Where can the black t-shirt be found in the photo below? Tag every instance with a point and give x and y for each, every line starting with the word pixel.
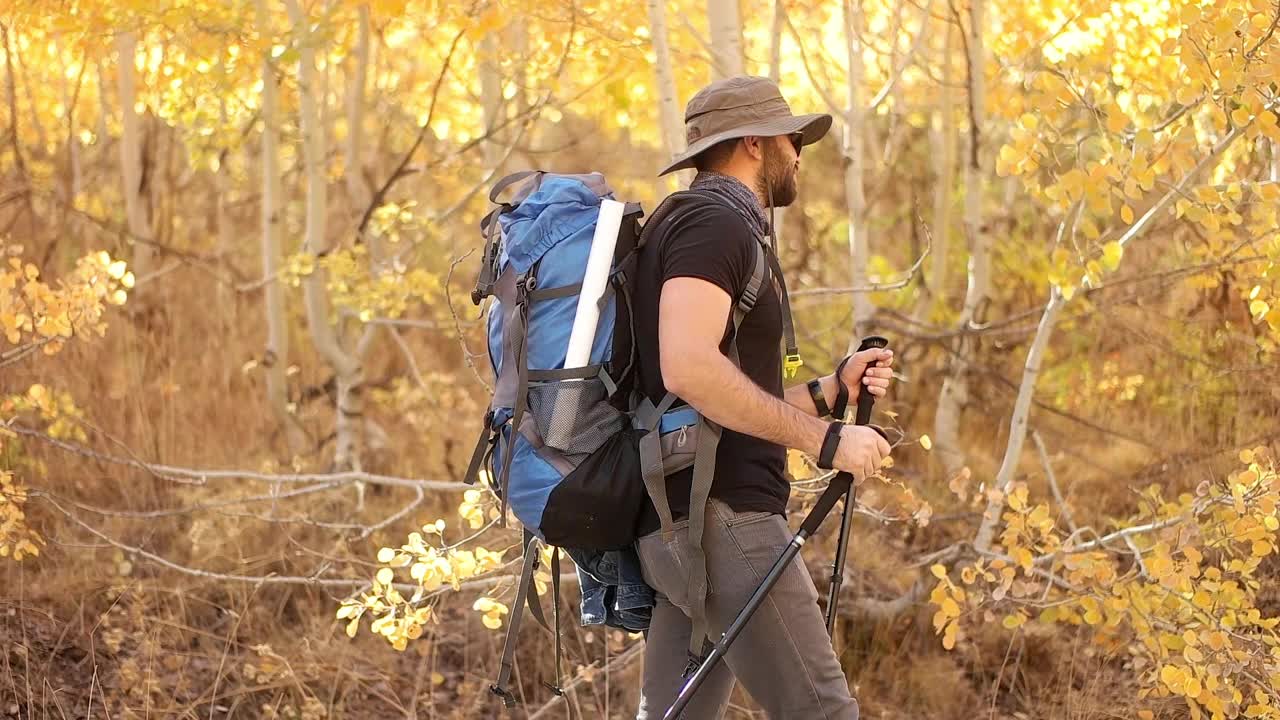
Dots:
pixel 708 240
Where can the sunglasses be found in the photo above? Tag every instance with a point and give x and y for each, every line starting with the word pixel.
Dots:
pixel 797 141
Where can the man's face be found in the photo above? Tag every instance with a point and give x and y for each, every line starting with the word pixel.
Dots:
pixel 778 173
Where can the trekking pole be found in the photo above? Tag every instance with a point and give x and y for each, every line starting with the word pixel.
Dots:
pixel 841 485
pixel 863 416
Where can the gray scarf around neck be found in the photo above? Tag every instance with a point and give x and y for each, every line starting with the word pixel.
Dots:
pixel 734 192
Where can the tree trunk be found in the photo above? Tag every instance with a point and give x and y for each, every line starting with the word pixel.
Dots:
pixel 222 216
pixel 135 198
pixel 943 139
pixel 276 354
pixel 775 72
pixel 726 38
pixel 349 374
pixel 955 388
pixel 358 194
pixel 854 152
pixel 668 102
pixel 490 97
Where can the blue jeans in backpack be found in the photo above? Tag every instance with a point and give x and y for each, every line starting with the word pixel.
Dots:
pixel 614 592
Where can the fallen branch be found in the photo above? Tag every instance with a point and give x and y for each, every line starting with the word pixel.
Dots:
pixel 200 477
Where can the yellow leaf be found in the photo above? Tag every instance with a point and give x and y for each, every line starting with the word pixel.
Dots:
pixel 386 576
pixel 1192 688
pixel 1024 558
pixel 939 571
pixel 950 608
pixel 437 678
pixel 493 622
pixel 949 637
pixel 1173 677
pixel 386 555
pixel 352 627
pixel 1126 214
pixel 926 442
pixel 1014 621
pixel 1116 120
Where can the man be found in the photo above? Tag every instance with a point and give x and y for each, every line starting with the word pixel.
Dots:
pixel 745 144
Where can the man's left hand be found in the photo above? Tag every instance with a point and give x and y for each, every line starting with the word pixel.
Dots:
pixel 873 367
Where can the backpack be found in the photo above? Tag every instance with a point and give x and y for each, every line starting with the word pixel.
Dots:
pixel 575 451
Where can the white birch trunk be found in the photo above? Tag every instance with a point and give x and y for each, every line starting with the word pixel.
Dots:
pixel 854 153
pixel 135 201
pixel 726 38
pixel 358 193
pixel 943 140
pixel 668 103
pixel 349 374
pixel 955 388
pixel 276 353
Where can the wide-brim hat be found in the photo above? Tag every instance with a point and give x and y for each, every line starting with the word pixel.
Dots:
pixel 739 107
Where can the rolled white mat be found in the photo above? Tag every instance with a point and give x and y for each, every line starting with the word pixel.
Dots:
pixel 585 320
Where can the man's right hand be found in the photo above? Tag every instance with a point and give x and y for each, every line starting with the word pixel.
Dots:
pixel 861 451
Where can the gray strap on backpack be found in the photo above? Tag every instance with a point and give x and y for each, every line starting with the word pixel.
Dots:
pixel 499 688
pixel 648 418
pixel 704 471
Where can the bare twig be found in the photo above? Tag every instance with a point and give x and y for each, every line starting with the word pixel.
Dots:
pixel 626 657
pixel 1053 481
pixel 1270 31
pixel 180 474
pixel 876 287
pixel 467 355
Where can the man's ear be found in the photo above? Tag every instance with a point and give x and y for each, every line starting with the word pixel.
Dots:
pixel 754 146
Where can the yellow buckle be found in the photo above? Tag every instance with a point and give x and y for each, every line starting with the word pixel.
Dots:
pixel 791 365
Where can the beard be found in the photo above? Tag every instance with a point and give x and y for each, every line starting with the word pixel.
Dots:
pixel 777 178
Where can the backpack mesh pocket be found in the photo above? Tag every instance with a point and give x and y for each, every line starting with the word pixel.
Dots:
pixel 574 416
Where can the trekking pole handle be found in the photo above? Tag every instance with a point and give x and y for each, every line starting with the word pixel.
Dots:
pixel 865 398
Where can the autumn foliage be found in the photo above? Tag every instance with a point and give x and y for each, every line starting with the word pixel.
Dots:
pixel 241 374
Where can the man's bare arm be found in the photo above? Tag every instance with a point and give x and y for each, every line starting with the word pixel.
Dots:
pixel 691 322
pixel 798 395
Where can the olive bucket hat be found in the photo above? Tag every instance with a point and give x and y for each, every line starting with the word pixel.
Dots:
pixel 738 107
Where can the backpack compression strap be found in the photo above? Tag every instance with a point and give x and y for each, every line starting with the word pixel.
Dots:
pixel 526 592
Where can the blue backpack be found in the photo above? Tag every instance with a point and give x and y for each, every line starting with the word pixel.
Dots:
pixel 574 452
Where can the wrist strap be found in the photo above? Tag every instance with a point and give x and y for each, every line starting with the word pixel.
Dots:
pixel 819 402
pixel 827 455
pixel 841 407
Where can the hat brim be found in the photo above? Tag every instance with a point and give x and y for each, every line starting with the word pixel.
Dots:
pixel 814 126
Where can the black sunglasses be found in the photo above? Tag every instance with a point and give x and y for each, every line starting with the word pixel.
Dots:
pixel 797 141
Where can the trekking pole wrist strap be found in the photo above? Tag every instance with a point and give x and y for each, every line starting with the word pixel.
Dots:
pixel 841 407
pixel 830 443
pixel 819 398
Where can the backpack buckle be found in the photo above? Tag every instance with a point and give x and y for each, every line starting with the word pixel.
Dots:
pixel 508 699
pixel 695 662
pixel 791 363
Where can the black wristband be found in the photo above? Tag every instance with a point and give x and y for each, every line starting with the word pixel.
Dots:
pixel 827 455
pixel 841 407
pixel 819 401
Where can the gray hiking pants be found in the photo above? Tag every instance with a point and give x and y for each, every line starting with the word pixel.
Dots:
pixel 783 657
